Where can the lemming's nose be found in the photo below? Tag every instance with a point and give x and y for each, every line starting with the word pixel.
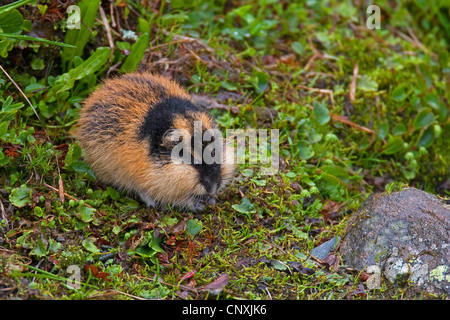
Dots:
pixel 212 187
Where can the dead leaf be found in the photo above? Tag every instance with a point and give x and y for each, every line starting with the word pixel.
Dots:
pixel 332 261
pixel 93 269
pixel 36 198
pixel 353 83
pixel 296 186
pixel 246 262
pixel 269 60
pixel 96 273
pixel 183 294
pixel 179 227
pixel 61 189
pixel 102 275
pixel 217 285
pixel 289 60
pixel 188 275
pixel 297 266
pixel 364 276
pixel 48 203
pixel 191 283
pixel 330 211
pixel 360 292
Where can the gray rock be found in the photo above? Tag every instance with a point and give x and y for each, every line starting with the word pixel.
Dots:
pixel 322 251
pixel 407 235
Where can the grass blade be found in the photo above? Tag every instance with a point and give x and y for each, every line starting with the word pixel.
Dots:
pixel 96 61
pixel 48 275
pixel 13 5
pixel 136 53
pixel 80 37
pixel 28 38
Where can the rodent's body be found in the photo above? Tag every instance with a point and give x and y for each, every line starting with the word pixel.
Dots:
pixel 123 129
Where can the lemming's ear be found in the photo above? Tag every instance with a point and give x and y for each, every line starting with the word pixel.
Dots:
pixel 179 142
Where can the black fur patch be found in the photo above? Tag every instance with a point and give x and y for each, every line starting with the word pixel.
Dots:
pixel 160 119
pixel 210 175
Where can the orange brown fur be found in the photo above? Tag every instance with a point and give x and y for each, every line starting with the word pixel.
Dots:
pixel 108 131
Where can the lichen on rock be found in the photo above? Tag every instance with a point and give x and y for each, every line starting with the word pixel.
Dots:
pixel 406 234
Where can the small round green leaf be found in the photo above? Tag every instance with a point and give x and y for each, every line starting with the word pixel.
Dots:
pixel 394 145
pixel 245 207
pixel 423 119
pixel 21 196
pixel 399 93
pixel 321 113
pixel 194 226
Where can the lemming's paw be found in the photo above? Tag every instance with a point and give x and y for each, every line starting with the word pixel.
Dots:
pixel 201 202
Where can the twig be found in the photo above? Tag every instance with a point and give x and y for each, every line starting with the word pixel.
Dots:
pixel 26 98
pixel 132 10
pixel 211 103
pixel 316 54
pixel 314 74
pixel 413 40
pixel 317 260
pixel 326 91
pixel 113 68
pixel 284 264
pixel 111 14
pixel 117 16
pixel 342 119
pixel 65 194
pixel 170 43
pixel 108 30
pixel 198 58
pixel 352 93
pixel 268 293
pixel 189 39
pixel 167 62
pixel 311 60
pixel 5 218
pixel 193 54
pixel 313 47
pixel 418 43
pixel 37 267
pixel 71 197
pixel 115 292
